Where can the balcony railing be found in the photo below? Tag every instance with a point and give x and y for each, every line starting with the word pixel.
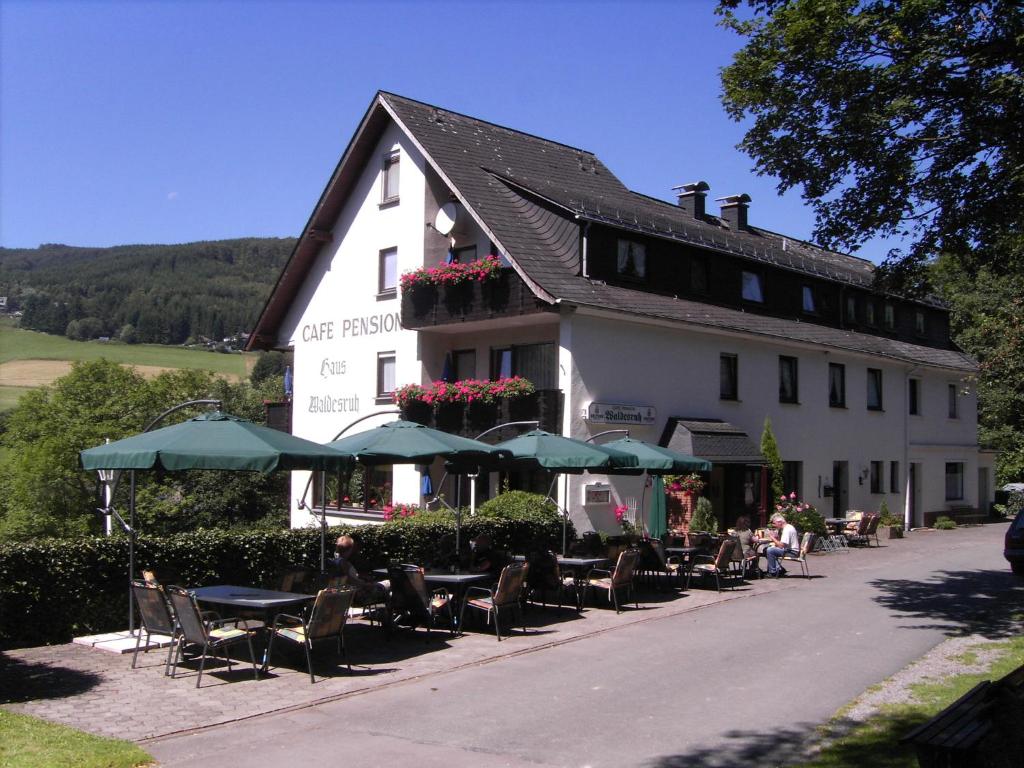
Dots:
pixel 470 419
pixel 503 296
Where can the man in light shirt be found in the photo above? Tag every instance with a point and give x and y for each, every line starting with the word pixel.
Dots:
pixel 784 542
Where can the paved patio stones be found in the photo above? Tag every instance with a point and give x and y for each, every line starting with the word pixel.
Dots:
pixel 100 693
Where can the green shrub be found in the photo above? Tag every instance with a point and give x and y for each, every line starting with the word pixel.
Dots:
pixel 54 589
pixel 704 516
pixel 944 523
pixel 885 517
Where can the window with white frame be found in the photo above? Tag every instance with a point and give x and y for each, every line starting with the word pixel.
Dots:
pixel 632 260
pixel 954 480
pixel 810 306
pixel 837 385
pixel 728 382
pixel 389 178
pixel 789 389
pixel 753 287
pixel 385 374
pixel 874 389
pixel 387 272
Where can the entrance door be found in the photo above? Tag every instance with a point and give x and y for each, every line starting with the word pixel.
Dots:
pixel 983 491
pixel 914 493
pixel 840 488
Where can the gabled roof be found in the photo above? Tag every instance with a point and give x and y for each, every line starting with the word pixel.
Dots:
pixel 713 439
pixel 528 194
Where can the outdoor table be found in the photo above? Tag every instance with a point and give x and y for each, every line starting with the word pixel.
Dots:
pixel 267 602
pixel 455 582
pixel 689 554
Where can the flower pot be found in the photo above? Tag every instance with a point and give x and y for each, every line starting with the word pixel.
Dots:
pixel 481 416
pixel 895 532
pixel 418 411
pixel 451 417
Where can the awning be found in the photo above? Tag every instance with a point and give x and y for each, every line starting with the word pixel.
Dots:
pixel 713 439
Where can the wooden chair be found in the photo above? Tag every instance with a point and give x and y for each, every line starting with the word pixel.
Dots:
pixel 326 621
pixel 411 601
pixel 717 565
pixel 806 545
pixel 621 578
pixel 211 638
pixel 656 562
pixel 505 595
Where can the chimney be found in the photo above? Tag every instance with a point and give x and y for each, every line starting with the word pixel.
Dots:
pixel 691 197
pixel 734 210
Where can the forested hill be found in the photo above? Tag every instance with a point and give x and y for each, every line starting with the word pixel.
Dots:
pixel 162 294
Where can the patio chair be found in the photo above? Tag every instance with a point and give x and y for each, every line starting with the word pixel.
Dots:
pixel 156 617
pixel 873 530
pixel 411 601
pixel 545 577
pixel 618 579
pixel 654 561
pixel 505 595
pixel 806 545
pixel 717 565
pixel 326 620
pixel 293 580
pixel 195 632
pixel 857 531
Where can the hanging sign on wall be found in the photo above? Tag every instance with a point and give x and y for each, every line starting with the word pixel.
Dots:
pixel 612 413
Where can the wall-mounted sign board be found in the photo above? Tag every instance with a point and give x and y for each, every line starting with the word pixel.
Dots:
pixel 614 413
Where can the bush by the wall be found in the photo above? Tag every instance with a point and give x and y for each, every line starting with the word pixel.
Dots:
pixel 54 589
pixel 944 523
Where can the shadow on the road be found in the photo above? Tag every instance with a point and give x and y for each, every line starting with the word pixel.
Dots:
pixel 878 747
pixel 989 603
pixel 27 681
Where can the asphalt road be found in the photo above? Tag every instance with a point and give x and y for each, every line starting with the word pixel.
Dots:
pixel 741 682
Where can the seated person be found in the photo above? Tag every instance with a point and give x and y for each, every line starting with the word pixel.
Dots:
pixel 784 541
pixel 340 567
pixel 746 550
pixel 484 558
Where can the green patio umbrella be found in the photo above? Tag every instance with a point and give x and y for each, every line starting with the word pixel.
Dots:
pixel 566 455
pixel 657 459
pixel 658 523
pixel 214 440
pixel 406 442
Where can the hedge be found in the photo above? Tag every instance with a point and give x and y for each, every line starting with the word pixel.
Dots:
pixel 52 590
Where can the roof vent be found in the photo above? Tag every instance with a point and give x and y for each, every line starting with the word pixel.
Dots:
pixel 691 197
pixel 734 210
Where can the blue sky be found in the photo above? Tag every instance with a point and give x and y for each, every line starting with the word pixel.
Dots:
pixel 165 122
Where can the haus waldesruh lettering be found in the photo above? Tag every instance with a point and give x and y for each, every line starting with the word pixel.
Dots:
pixel 684 322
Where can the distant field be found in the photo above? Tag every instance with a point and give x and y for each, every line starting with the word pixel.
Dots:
pixel 30 359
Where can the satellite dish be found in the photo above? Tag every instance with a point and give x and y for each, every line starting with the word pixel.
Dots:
pixel 445 220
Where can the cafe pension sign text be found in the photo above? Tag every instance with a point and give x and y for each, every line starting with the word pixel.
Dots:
pixel 616 413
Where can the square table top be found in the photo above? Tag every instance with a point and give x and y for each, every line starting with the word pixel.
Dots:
pixel 445 577
pixel 248 597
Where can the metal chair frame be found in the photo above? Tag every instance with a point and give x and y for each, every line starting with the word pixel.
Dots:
pixel 506 594
pixel 806 546
pixel 718 565
pixel 621 577
pixel 197 632
pixel 156 617
pixel 327 619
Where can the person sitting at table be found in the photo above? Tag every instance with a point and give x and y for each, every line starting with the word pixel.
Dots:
pixel 484 558
pixel 784 541
pixel 746 551
pixel 340 567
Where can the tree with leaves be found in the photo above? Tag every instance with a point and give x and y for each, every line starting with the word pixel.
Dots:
pixel 894 117
pixel 770 451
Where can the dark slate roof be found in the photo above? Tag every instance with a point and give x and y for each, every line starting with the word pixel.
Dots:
pixel 713 439
pixel 529 193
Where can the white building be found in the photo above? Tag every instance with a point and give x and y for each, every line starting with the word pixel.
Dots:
pixel 704 325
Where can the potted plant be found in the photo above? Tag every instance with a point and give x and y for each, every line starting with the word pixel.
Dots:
pixel 889 521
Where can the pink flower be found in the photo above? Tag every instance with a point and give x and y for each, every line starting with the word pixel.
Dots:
pixel 792 495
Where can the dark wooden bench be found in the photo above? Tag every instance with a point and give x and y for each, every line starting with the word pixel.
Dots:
pixel 953 738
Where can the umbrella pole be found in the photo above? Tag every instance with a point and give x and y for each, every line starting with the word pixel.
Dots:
pixel 323 521
pixel 643 500
pixel 131 554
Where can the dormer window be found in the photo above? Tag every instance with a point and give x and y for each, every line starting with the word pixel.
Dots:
pixel 919 323
pixel 889 317
pixel 869 312
pixel 698 275
pixel 632 260
pixel 851 309
pixel 753 289
pixel 809 304
pixel 389 178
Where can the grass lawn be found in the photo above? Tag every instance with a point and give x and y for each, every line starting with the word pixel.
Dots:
pixel 19 344
pixel 9 396
pixel 27 742
pixel 875 743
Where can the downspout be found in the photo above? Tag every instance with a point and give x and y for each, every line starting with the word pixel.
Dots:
pixel 585 230
pixel 908 490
